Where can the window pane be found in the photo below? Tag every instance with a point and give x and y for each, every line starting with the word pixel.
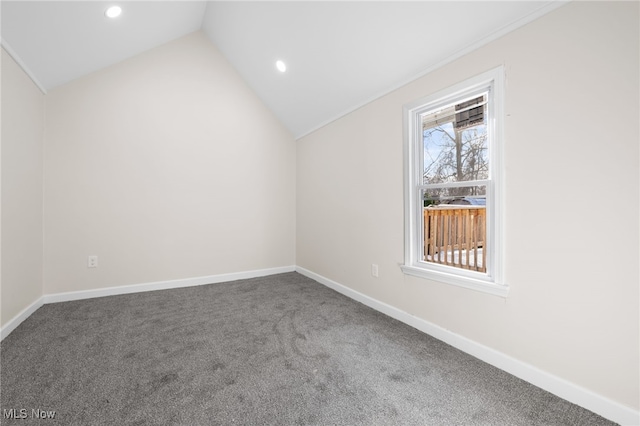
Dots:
pixel 455 142
pixel 454 227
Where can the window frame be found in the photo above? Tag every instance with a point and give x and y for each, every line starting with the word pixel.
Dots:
pixel 492 281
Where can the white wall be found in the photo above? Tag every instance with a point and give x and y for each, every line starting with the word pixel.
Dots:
pixel 21 202
pixel 166 166
pixel 572 184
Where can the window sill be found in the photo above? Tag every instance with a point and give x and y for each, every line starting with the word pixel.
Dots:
pixel 457 280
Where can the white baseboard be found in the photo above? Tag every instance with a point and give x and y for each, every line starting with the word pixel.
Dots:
pixel 564 389
pixel 163 285
pixel 18 319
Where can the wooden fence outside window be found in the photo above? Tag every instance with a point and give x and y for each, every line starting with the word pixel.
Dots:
pixel 455 236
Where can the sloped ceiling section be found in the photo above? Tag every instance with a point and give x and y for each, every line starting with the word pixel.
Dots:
pixel 340 55
pixel 59 41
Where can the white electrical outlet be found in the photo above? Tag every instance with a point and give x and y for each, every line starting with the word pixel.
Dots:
pixel 92 262
pixel 374 270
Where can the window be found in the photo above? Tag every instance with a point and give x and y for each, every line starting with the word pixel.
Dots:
pixel 453 185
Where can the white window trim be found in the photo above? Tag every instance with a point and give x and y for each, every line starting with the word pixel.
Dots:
pixel 494 281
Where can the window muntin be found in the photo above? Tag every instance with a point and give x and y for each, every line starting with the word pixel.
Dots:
pixel 453 194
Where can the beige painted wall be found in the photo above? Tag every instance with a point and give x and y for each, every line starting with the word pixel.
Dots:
pixel 166 166
pixel 22 150
pixel 572 173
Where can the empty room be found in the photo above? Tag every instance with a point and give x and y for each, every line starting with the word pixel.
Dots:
pixel 320 213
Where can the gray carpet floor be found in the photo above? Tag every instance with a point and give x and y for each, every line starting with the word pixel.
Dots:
pixel 278 350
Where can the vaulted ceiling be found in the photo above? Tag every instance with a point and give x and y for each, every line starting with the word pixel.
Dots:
pixel 339 55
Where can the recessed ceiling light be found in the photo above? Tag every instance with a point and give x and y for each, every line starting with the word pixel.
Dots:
pixel 113 11
pixel 281 66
